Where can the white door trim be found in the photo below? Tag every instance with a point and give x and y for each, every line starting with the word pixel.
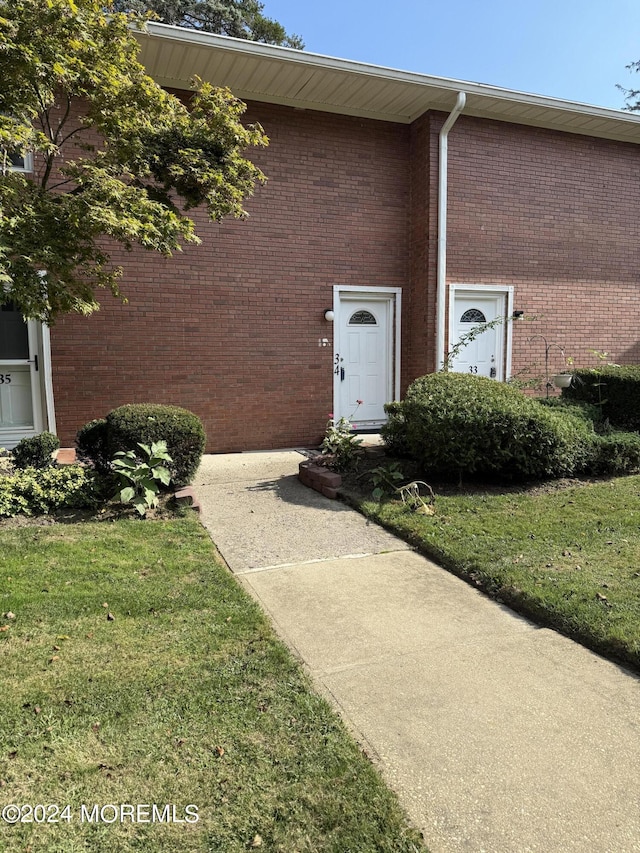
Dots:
pixel 48 379
pixel 35 365
pixel 391 295
pixel 504 291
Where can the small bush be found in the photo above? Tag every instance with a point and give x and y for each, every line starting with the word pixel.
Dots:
pixel 394 432
pixel 147 423
pixel 616 454
pixel 458 423
pixel 91 445
pixel 38 491
pixel 36 452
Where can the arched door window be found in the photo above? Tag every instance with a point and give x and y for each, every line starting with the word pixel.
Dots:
pixel 473 315
pixel 362 318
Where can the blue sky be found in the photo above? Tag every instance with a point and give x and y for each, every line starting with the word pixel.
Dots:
pixel 566 49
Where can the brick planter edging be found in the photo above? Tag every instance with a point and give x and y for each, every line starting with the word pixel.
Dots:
pixel 319 478
pixel 187 497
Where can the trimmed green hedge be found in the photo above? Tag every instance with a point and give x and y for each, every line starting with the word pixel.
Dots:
pixel 586 412
pixel 615 390
pixel 616 454
pixel 460 424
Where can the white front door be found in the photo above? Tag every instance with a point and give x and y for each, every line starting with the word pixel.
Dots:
pixel 363 358
pixel 482 355
pixel 20 393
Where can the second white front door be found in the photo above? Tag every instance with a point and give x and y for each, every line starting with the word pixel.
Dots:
pixel 481 355
pixel 363 359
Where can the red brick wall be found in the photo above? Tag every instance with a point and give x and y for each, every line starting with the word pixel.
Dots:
pixel 230 329
pixel 557 216
pixel 420 320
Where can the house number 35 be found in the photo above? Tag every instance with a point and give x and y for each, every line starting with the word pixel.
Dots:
pixel 5 378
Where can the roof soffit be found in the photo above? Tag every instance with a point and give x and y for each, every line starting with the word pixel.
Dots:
pixel 173 56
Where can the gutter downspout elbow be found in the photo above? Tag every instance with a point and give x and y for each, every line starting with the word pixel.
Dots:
pixel 442 227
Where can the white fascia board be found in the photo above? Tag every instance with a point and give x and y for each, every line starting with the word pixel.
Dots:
pixel 319 61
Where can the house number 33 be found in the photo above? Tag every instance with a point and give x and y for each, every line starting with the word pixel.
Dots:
pixel 5 378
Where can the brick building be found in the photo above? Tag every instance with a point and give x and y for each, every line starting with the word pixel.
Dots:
pixel 409 207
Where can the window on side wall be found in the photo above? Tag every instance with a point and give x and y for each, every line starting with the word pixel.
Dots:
pixel 17 162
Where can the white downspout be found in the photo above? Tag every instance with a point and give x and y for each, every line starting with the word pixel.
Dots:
pixel 442 226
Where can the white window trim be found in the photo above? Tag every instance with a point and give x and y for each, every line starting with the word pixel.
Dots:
pixel 48 379
pixel 27 167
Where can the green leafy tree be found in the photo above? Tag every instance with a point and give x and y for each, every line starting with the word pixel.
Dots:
pixel 126 167
pixel 238 18
pixel 632 96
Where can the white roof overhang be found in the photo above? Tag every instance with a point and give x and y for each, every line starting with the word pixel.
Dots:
pixel 173 56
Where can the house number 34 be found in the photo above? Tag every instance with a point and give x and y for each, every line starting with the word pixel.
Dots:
pixel 5 378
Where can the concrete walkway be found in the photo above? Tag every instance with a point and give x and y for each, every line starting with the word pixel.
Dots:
pixel 497 735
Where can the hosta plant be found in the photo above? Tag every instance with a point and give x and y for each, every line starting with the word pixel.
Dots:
pixel 340 442
pixel 141 478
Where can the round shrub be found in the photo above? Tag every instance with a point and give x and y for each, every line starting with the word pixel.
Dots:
pixel 91 445
pixel 36 452
pixel 457 423
pixel 149 422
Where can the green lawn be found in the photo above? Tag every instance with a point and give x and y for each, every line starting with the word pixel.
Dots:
pixel 136 671
pixel 569 557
